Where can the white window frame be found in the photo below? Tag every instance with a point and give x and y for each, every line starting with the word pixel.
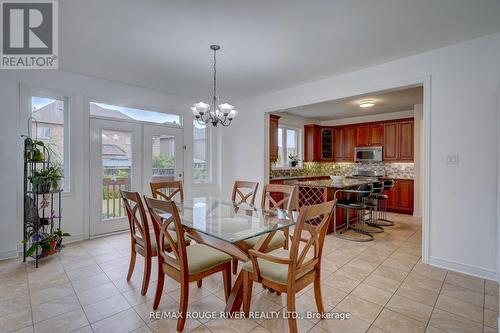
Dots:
pixel 299 132
pixel 208 149
pixel 66 98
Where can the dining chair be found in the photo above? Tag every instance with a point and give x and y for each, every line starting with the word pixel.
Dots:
pixel 280 239
pixel 290 271
pixel 167 190
pixel 183 263
pixel 141 236
pixel 246 192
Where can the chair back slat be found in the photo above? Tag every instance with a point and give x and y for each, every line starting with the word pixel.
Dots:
pixel 139 228
pixel 246 192
pixel 288 192
pixel 164 214
pixel 167 190
pixel 314 234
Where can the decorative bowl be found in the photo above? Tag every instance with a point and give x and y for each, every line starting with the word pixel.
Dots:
pixel 337 179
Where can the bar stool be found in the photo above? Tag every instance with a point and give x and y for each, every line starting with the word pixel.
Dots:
pixel 382 198
pixel 357 204
pixel 372 204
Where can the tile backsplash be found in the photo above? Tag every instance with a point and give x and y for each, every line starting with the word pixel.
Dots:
pixel 395 170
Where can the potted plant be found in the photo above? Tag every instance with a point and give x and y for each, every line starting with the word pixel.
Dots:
pixel 58 236
pixel 45 179
pixel 294 160
pixel 35 149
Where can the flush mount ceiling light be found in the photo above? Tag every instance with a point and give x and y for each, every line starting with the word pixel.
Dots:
pixel 367 103
pixel 209 113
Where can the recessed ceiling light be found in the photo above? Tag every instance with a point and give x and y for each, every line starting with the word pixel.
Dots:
pixel 366 104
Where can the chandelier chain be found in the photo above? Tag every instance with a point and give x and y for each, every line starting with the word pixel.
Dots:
pixel 215 77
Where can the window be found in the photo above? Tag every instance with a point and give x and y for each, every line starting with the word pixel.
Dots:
pixel 288 144
pixel 131 114
pixel 43 132
pixel 49 124
pixel 200 153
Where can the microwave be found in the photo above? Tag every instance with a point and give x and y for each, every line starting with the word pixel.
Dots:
pixel 368 154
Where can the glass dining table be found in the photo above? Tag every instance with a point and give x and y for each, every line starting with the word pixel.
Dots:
pixel 225 225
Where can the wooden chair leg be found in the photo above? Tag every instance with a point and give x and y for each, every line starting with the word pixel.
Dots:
pixel 199 283
pixel 235 266
pixel 132 263
pixel 147 274
pixel 247 293
pixel 183 306
pixel 317 294
pixel 286 231
pixel 290 305
pixel 159 289
pixel 226 278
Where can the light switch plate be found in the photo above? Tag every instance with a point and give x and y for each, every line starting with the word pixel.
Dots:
pixel 452 159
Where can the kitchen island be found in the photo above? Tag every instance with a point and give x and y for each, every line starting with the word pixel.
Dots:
pixel 318 191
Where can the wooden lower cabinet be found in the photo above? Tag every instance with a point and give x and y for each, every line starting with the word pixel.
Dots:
pixel 401 197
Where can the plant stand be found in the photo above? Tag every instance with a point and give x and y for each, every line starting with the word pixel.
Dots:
pixel 42 206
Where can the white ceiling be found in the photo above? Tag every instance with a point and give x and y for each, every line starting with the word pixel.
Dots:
pixel 385 102
pixel 266 45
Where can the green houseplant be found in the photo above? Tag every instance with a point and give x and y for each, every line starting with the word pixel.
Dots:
pixel 34 149
pixel 45 179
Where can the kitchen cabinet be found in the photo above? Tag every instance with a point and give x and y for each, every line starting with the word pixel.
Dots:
pixel 330 144
pixel 405 132
pixel 362 135
pixel 318 143
pixel 327 144
pixel 349 143
pixel 338 144
pixel 376 135
pixel 401 197
pixel 312 143
pixel 398 141
pixel 369 135
pixel 273 137
pixel 390 147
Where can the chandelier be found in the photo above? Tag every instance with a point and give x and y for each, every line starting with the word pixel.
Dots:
pixel 209 113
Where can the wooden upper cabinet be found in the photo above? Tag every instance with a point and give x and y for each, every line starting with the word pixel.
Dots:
pixel 312 144
pixel 376 135
pixel 338 144
pixel 405 140
pixel 390 147
pixel 349 143
pixel 273 137
pixel 362 135
pixel 326 144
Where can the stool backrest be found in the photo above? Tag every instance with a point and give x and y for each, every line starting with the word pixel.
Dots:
pixel 388 184
pixel 378 187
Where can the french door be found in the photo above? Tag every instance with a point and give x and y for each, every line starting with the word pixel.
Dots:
pixel 128 156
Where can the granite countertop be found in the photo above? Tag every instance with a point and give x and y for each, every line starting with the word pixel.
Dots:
pixel 297 177
pixel 346 183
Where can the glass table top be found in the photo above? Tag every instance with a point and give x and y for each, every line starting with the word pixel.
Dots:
pixel 229 222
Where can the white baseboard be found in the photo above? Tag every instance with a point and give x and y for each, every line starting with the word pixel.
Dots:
pixel 9 255
pixel 461 268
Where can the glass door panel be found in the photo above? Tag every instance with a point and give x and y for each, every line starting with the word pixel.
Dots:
pixel 116 171
pixel 115 164
pixel 163 158
pixel 163 155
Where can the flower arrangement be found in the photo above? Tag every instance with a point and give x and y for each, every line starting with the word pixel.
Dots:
pixel 294 160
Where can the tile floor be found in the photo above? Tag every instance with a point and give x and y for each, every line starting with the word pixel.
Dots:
pixel 382 284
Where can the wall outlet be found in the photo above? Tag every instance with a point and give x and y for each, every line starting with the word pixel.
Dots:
pixel 452 159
